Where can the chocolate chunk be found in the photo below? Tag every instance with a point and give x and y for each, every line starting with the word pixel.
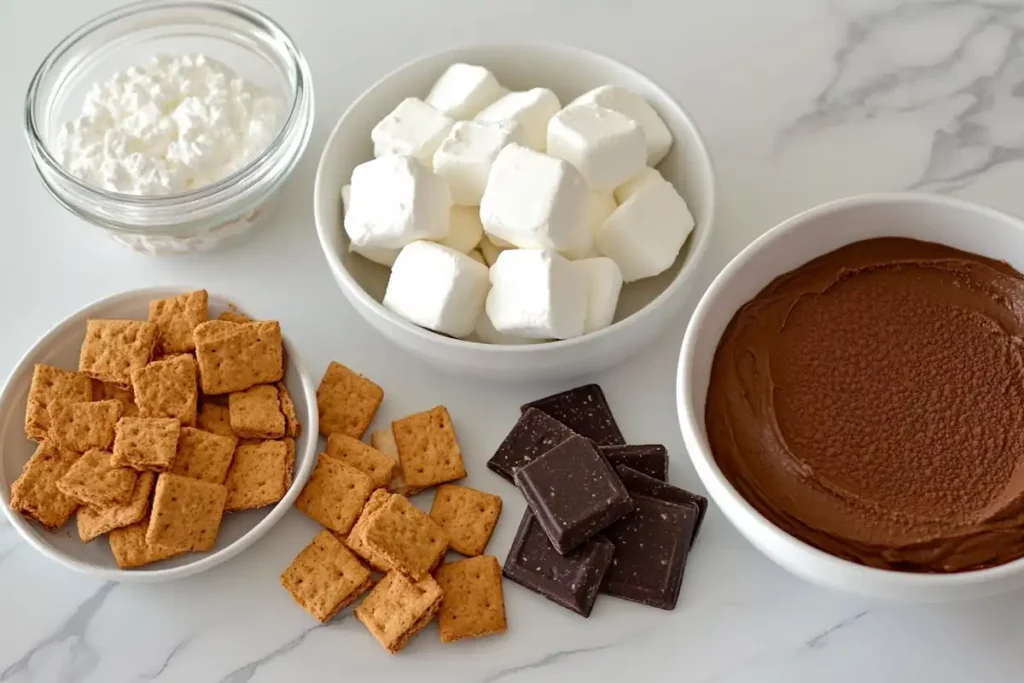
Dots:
pixel 638 482
pixel 571 581
pixel 585 411
pixel 573 492
pixel 650 459
pixel 534 434
pixel 651 545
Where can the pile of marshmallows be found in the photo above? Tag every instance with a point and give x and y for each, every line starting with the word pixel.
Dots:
pixel 563 205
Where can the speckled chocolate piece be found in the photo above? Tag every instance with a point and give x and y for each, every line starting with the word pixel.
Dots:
pixel 585 411
pixel 571 581
pixel 534 434
pixel 650 459
pixel 573 492
pixel 651 545
pixel 640 483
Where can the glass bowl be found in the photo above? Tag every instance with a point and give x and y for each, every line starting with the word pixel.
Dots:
pixel 249 42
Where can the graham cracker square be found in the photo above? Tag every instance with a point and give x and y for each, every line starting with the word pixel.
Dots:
pixel 335 494
pixel 233 315
pixel 94 522
pixel 52 387
pixel 355 540
pixel 105 391
pixel 428 451
pixel 146 443
pixel 203 455
pixel 35 494
pixel 167 388
pixel 346 401
pixel 325 577
pixel 84 426
pixel 467 516
pixel 260 475
pixel 215 418
pixel 130 549
pixel 186 513
pixel 406 537
pixel 256 413
pixel 377 466
pixel 398 608
pixel 293 428
pixel 384 441
pixel 236 356
pixel 175 319
pixel 473 603
pixel 114 348
pixel 94 480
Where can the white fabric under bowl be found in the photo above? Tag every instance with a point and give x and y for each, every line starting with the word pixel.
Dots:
pixel 930 218
pixel 60 347
pixel 645 307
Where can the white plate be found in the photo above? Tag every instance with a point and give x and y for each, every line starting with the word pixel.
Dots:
pixel 60 347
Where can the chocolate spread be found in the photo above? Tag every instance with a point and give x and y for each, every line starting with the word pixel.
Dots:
pixel 871 403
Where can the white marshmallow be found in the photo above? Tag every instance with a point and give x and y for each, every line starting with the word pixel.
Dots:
pixel 656 134
pixel 463 90
pixel 629 188
pixel 644 235
pixel 605 280
pixel 437 288
pixel 464 158
pixel 394 201
pixel 414 128
pixel 535 201
pixel 466 231
pixel 531 109
pixel 485 332
pixel 537 294
pixel 477 256
pixel 607 147
pixel 600 205
pixel 500 243
pixel 489 250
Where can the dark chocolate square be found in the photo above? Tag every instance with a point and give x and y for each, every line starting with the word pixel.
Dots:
pixel 585 411
pixel 573 492
pixel 534 434
pixel 571 581
pixel 638 482
pixel 650 459
pixel 651 545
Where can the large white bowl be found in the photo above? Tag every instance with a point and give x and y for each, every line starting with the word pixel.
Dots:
pixel 644 308
pixel 60 347
pixel 810 234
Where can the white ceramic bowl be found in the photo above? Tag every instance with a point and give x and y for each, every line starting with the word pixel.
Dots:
pixel 810 234
pixel 645 307
pixel 60 347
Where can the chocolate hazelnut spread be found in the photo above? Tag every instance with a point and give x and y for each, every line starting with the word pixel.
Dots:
pixel 871 403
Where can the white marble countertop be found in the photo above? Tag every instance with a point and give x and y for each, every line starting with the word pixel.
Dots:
pixel 800 101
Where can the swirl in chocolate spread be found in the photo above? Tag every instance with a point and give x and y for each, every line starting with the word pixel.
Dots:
pixel 871 403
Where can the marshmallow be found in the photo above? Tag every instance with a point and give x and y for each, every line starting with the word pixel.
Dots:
pixel 537 294
pixel 394 201
pixel 464 158
pixel 644 235
pixel 385 257
pixel 465 231
pixel 463 90
pixel 414 128
pixel 605 283
pixel 485 332
pixel 489 250
pixel 536 201
pixel 531 109
pixel 629 188
pixel 437 288
pixel 600 205
pixel 477 256
pixel 500 243
pixel 607 147
pixel 656 134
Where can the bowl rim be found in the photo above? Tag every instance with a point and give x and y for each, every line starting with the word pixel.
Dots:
pixel 698 243
pixel 747 520
pixel 300 94
pixel 29 532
